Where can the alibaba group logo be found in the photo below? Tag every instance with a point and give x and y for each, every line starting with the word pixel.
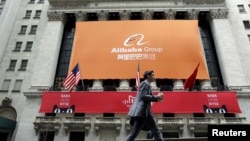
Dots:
pixel 128 102
pixel 136 39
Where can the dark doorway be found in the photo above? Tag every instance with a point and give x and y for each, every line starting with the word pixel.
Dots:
pixel 77 136
pixel 46 136
pixel 4 136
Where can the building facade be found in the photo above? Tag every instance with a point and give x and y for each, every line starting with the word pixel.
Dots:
pixel 35 47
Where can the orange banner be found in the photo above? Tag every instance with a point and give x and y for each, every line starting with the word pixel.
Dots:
pixel 112 49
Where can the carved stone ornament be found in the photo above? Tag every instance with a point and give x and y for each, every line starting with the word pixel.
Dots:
pixel 124 15
pixel 56 16
pixel 170 14
pixel 6 101
pixel 80 16
pixel 147 15
pixel 219 14
pixel 193 14
pixel 102 15
pixel 204 2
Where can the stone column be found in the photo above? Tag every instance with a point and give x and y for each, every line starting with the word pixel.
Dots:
pixel 177 84
pixel 154 86
pixel 124 85
pixel 97 85
pixel 170 14
pixel 48 51
pixel 206 85
pixel 125 15
pixel 226 49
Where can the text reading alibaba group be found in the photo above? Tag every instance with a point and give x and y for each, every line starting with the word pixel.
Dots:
pixel 240 132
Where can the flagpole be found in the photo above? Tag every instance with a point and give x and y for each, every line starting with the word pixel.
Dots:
pixel 80 74
pixel 138 77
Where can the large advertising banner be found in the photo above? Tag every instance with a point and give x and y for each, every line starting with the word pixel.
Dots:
pixel 120 102
pixel 113 49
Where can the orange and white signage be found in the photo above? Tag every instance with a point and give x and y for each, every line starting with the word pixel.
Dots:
pixel 112 49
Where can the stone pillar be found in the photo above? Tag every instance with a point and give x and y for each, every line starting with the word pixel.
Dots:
pixel 170 14
pixel 102 15
pixel 97 85
pixel 147 15
pixel 48 51
pixel 154 86
pixel 226 49
pixel 206 85
pixel 193 15
pixel 125 15
pixel 177 84
pixel 124 85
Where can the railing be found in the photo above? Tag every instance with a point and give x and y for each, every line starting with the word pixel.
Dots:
pixel 232 120
pixel 77 124
pixel 47 124
pixel 47 119
pixel 77 119
pixel 171 123
pixel 108 119
pixel 110 123
pixel 200 123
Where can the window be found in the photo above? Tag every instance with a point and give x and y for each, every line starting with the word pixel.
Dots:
pixel 229 115
pixel 24 64
pixel 248 37
pixel 198 115
pixel 77 136
pixel 170 134
pixel 41 1
pixel 108 115
pixel 200 134
pixel 241 8
pixel 33 29
pixel 3 2
pixel 168 114
pixel 246 24
pixel 28 46
pixel 46 136
pixel 79 114
pixel 18 46
pixel 23 29
pixel 12 65
pixel 28 14
pixel 6 85
pixel 38 14
pixel 17 86
pixel 31 1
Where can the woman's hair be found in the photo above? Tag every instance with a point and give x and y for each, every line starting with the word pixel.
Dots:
pixel 146 73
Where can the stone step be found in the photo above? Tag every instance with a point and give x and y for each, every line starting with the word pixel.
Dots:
pixel 178 139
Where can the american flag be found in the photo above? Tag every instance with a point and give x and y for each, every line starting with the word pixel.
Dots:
pixel 72 78
pixel 138 77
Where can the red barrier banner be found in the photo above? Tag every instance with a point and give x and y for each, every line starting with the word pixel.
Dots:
pixel 120 102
